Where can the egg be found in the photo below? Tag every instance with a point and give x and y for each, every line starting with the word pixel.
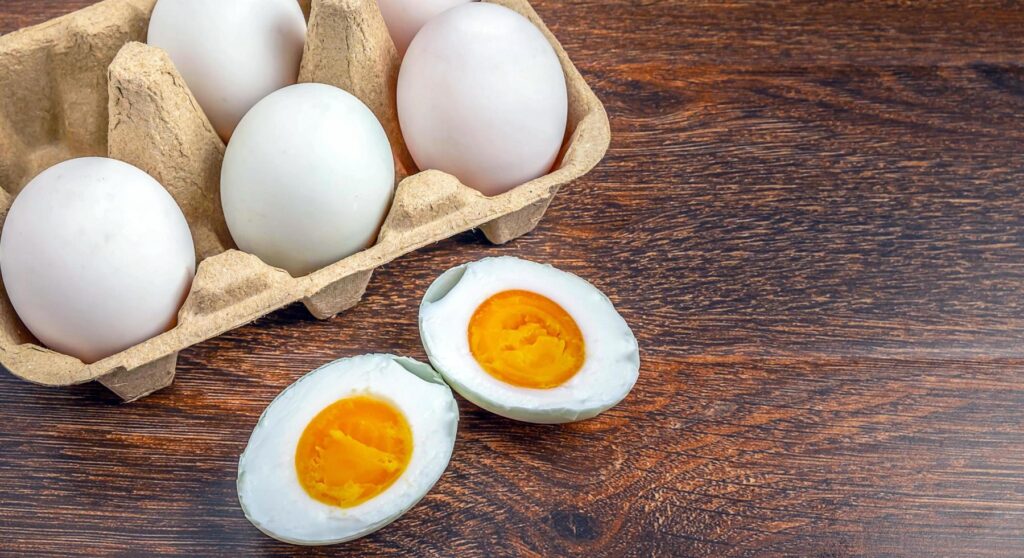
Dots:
pixel 231 53
pixel 482 96
pixel 96 257
pixel 404 18
pixel 347 449
pixel 308 178
pixel 527 341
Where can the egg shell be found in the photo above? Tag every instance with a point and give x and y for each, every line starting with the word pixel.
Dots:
pixel 482 96
pixel 268 487
pixel 96 257
pixel 232 53
pixel 406 17
pixel 307 179
pixel 149 105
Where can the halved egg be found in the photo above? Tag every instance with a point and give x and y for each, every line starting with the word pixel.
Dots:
pixel 527 341
pixel 347 449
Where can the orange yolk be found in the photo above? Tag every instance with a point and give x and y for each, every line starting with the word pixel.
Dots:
pixel 527 340
pixel 352 451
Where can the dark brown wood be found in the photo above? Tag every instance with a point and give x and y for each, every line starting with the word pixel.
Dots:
pixel 813 217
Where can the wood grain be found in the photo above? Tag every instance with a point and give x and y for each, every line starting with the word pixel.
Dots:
pixel 813 217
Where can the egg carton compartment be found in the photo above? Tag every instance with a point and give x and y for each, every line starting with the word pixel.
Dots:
pixel 84 84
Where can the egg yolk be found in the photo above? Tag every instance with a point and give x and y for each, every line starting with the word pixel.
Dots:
pixel 527 340
pixel 352 451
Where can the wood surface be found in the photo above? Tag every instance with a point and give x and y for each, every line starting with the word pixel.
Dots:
pixel 812 215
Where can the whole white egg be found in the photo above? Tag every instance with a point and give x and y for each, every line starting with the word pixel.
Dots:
pixel 482 96
pixel 308 178
pixel 232 53
pixel 347 449
pixel 96 257
pixel 527 341
pixel 405 17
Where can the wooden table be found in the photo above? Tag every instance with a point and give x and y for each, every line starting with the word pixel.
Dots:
pixel 813 217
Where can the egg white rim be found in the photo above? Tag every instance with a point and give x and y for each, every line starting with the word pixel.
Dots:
pixel 268 463
pixel 612 362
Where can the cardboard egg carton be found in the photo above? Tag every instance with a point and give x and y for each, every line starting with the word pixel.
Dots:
pixel 86 85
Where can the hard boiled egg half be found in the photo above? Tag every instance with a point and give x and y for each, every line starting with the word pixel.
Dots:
pixel 347 449
pixel 527 341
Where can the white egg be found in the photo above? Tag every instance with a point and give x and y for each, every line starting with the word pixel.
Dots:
pixel 307 179
pixel 482 96
pixel 527 341
pixel 232 53
pixel 347 449
pixel 405 17
pixel 96 257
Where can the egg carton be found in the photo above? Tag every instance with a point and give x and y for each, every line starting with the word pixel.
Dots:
pixel 84 85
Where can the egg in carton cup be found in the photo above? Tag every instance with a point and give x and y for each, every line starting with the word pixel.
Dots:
pixel 82 85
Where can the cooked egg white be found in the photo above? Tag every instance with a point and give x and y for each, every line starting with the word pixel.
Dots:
pixel 347 449
pixel 527 341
